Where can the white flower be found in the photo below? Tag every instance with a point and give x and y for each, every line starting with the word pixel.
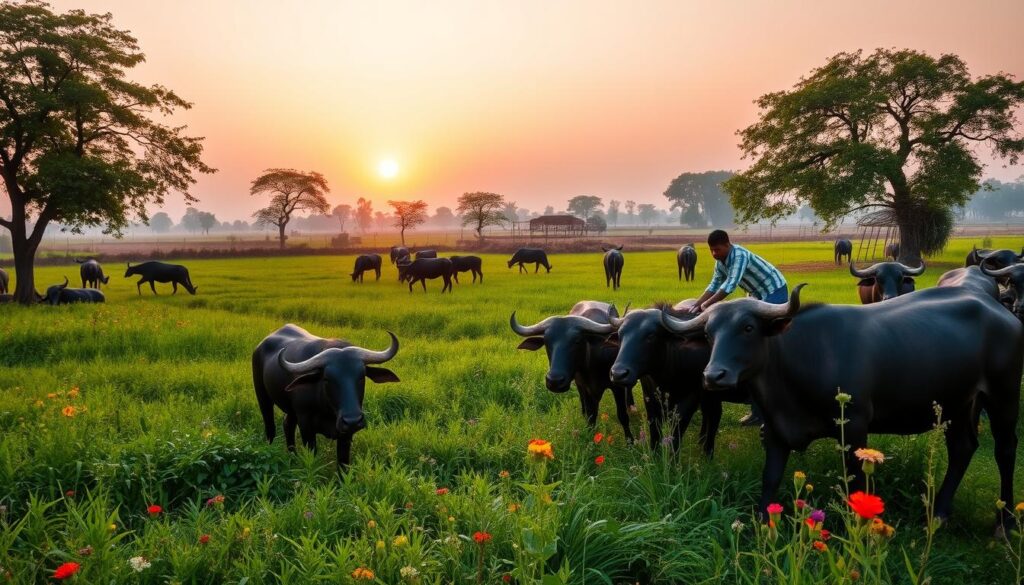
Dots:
pixel 737 525
pixel 140 564
pixel 409 572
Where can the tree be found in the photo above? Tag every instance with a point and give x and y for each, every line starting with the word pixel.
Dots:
pixel 584 205
pixel 548 210
pixel 630 208
pixel 240 226
pixel 596 223
pixel 700 195
pixel 78 145
pixel 160 223
pixel 342 213
pixel 613 212
pixel 443 217
pixel 895 130
pixel 481 209
pixel 364 214
pixel 382 219
pixel 997 200
pixel 290 191
pixel 207 221
pixel 408 215
pixel 509 211
pixel 648 213
pixel 190 221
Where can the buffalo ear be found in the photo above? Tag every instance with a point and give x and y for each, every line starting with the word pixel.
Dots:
pixel 777 326
pixel 611 342
pixel 381 375
pixel 532 343
pixel 310 378
pixel 908 280
pixel 867 282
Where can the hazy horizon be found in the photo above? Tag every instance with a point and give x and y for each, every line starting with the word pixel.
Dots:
pixel 537 101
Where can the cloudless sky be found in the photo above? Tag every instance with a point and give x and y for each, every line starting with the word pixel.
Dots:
pixel 539 100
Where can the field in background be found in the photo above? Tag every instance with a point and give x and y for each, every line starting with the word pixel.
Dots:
pixel 166 415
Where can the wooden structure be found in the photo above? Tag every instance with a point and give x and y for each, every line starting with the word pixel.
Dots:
pixel 877 230
pixel 550 226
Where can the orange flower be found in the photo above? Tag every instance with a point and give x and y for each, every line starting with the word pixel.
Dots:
pixel 871 455
pixel 73 393
pixel 65 571
pixel 504 474
pixel 820 546
pixel 599 460
pixel 481 537
pixel 866 506
pixel 442 491
pixel 540 449
pixel 363 574
pixel 598 437
pixel 154 510
pixel 69 411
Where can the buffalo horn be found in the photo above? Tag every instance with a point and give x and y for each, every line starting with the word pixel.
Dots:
pixel 866 273
pixel 913 271
pixel 997 272
pixel 531 330
pixel 324 357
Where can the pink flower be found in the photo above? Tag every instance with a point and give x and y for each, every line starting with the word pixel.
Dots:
pixel 774 509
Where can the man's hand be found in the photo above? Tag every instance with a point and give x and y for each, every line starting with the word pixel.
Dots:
pixel 695 309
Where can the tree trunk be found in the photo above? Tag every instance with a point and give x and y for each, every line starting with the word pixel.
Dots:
pixel 280 234
pixel 403 237
pixel 24 266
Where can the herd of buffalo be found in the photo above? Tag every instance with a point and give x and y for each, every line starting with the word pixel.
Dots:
pixel 958 345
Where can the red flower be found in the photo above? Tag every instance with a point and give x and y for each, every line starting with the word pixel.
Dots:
pixel 774 509
pixel 481 537
pixel 825 534
pixel 599 460
pixel 598 437
pixel 800 504
pixel 506 578
pixel 442 491
pixel 66 570
pixel 204 539
pixel 820 546
pixel 154 510
pixel 69 494
pixel 866 506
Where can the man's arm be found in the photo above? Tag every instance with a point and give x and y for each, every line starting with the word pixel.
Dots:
pixel 700 300
pixel 714 299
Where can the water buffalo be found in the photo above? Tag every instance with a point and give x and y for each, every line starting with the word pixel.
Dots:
pixel 467 264
pixel 970 278
pixel 1013 277
pixel 4 281
pixel 686 261
pixel 423 268
pixel 398 252
pixel 318 383
pixel 530 256
pixel 613 262
pixel 60 294
pixel 91 273
pixel 892 250
pixel 676 366
pixel 426 254
pixel 576 348
pixel 153 272
pixel 885 280
pixel 842 247
pixel 994 258
pixel 366 262
pixel 945 346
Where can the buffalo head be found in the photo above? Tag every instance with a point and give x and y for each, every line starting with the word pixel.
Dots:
pixel 885 280
pixel 564 337
pixel 1013 277
pixel 130 271
pixel 641 338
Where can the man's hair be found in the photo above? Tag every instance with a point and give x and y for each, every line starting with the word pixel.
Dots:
pixel 718 237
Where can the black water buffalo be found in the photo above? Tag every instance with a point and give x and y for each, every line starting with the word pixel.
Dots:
pixel 4 281
pixel 426 254
pixel 530 256
pixel 945 346
pixel 60 294
pixel 318 383
pixel 423 268
pixel 842 247
pixel 153 272
pixel 91 273
pixel 1013 277
pixel 994 258
pixel 676 366
pixel 467 264
pixel 576 348
pixel 892 250
pixel 885 280
pixel 366 262
pixel 398 252
pixel 686 261
pixel 613 262
pixel 970 278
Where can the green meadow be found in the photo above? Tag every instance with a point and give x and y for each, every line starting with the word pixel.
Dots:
pixel 162 412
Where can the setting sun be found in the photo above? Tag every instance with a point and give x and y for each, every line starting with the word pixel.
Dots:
pixel 387 168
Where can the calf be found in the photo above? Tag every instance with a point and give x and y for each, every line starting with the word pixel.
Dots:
pixel 153 272
pixel 91 273
pixel 842 247
pixel 885 280
pixel 60 294
pixel 366 262
pixel 466 264
pixel 423 268
pixel 530 256
pixel 318 383
pixel 613 262
pixel 686 261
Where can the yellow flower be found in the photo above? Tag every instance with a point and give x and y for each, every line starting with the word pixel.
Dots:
pixel 39 403
pixel 1019 508
pixel 513 508
pixel 451 518
pixel 371 524
pixel 809 487
pixel 799 478
pixel 540 449
pixel 245 532
pixel 870 455
pixel 51 395
pixel 364 574
pixel 113 527
pixel 400 541
pixel 380 545
pixel 69 411
pixel 1000 504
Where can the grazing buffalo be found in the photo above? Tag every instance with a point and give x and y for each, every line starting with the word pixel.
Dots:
pixel 60 294
pixel 576 348
pixel 843 247
pixel 530 256
pixel 1013 277
pixel 676 366
pixel 885 280
pixel 613 262
pixel 318 383
pixel 366 262
pixel 892 250
pixel 397 253
pixel 92 273
pixel 467 264
pixel 153 272
pixel 4 281
pixel 994 258
pixel 945 346
pixel 423 268
pixel 686 261
pixel 426 254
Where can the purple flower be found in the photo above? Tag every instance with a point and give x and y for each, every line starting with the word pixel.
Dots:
pixel 666 441
pixel 308 514
pixel 818 516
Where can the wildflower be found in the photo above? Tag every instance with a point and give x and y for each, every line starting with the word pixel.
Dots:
pixel 246 532
pixel 371 524
pixel 217 500
pixel 364 574
pixel 738 525
pixel 854 575
pixel 408 505
pixel 871 455
pixel 380 545
pixel 451 518
pixel 507 578
pixel 73 393
pixel 400 541
pixel 813 526
pixel 409 573
pixel 599 460
pixel 666 442
pixel 39 403
pixel 69 411
pixel 866 506
pixel 825 534
pixel 140 564
pixel 442 491
pixel 481 537
pixel 85 551
pixel 513 508
pixel 51 395
pixel 774 509
pixel 818 515
pixel 598 437
pixel 504 474
pixel 609 438
pixel 809 488
pixel 604 416
pixel 1000 504
pixel 66 570
pixel 69 494
pixel 540 450
pixel 204 539
pixel 154 510
pixel 843 398
pixel 1019 508
pixel 113 527
pixel 308 514
pixel 800 504
pixel 799 478
pixel 820 546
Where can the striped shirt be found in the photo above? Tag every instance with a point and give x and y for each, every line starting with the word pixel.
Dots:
pixel 747 270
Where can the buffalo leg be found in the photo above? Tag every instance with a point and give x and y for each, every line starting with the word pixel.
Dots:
pixel 423 281
pixel 447 283
pixel 655 413
pixel 684 411
pixel 378 272
pixel 961 443
pixel 455 275
pixel 619 393
pixel 152 286
pixel 138 287
pixel 1004 434
pixel 481 273
pixel 289 431
pixel 711 417
pixel 536 267
pixel 411 282
pixel 344 450
pixel 174 287
pixel 776 455
pixel 307 429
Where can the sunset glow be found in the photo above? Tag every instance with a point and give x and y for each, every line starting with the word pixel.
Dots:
pixel 387 169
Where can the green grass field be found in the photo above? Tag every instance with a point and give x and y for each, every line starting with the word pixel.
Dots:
pixel 165 414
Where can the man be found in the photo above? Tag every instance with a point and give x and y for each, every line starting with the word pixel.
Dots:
pixel 738 266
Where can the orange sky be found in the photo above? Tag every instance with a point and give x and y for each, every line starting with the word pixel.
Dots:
pixel 537 100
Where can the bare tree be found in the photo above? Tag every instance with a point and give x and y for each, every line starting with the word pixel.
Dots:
pixel 343 213
pixel 290 191
pixel 408 215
